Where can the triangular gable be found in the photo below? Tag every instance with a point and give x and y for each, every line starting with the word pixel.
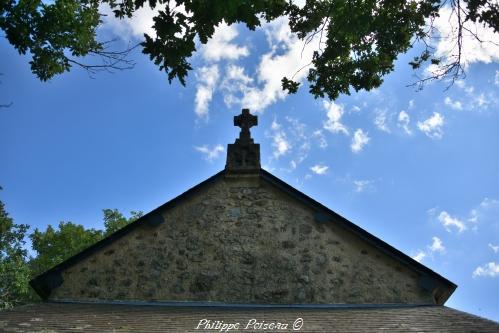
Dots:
pixel 50 279
pixel 428 280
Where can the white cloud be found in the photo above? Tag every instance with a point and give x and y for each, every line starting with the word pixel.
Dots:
pixel 359 140
pixel 403 121
pixel 297 128
pixel 321 138
pixel 460 83
pixel 279 141
pixel 380 121
pixel 474 100
pixel 355 109
pixel 334 113
pixel 437 245
pixel 472 50
pixel 487 202
pixel 490 269
pixel 411 104
pixel 494 248
pixel 432 211
pixel 207 79
pixel 319 169
pixel 473 216
pixel 203 98
pixel 419 256
pixel 219 46
pixel 280 144
pixel 451 222
pixel 287 57
pixel 237 74
pixel 210 154
pixel 290 138
pixel 362 185
pixel 432 126
pixel 135 27
pixel 455 105
pixel 486 212
pixel 300 139
pixel 235 82
pixel 481 101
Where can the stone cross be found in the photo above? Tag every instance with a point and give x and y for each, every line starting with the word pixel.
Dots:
pixel 243 156
pixel 245 120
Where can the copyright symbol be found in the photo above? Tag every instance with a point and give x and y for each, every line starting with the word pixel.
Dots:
pixel 297 325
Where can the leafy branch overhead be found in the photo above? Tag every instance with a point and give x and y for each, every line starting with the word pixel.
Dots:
pixel 359 40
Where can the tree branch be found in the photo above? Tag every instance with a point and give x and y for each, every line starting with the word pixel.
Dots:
pixel 110 61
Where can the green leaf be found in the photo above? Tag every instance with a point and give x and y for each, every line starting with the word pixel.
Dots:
pixel 290 85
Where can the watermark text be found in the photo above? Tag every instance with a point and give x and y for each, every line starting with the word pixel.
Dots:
pixel 251 324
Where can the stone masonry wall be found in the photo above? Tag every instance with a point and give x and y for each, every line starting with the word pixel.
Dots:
pixel 240 240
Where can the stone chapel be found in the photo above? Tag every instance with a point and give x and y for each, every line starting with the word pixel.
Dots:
pixel 242 245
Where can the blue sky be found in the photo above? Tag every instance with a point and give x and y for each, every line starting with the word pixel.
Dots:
pixel 418 169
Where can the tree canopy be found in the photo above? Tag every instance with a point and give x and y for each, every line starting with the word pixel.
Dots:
pixel 114 220
pixel 360 39
pixel 50 246
pixel 54 245
pixel 14 272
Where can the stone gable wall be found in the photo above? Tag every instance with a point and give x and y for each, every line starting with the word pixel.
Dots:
pixel 240 240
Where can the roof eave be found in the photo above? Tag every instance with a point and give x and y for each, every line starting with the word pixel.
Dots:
pixel 440 299
pixel 44 283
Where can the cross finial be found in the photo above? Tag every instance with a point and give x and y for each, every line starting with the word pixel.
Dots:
pixel 243 156
pixel 245 120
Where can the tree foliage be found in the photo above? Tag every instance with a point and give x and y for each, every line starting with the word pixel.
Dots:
pixel 14 271
pixel 54 245
pixel 51 246
pixel 114 220
pixel 57 34
pixel 360 39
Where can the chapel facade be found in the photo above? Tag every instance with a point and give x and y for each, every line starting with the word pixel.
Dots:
pixel 245 239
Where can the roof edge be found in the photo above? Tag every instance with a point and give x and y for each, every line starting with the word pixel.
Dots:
pixel 44 283
pixel 370 238
pixel 213 304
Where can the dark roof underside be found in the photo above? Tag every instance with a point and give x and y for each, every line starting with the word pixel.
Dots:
pixel 71 317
